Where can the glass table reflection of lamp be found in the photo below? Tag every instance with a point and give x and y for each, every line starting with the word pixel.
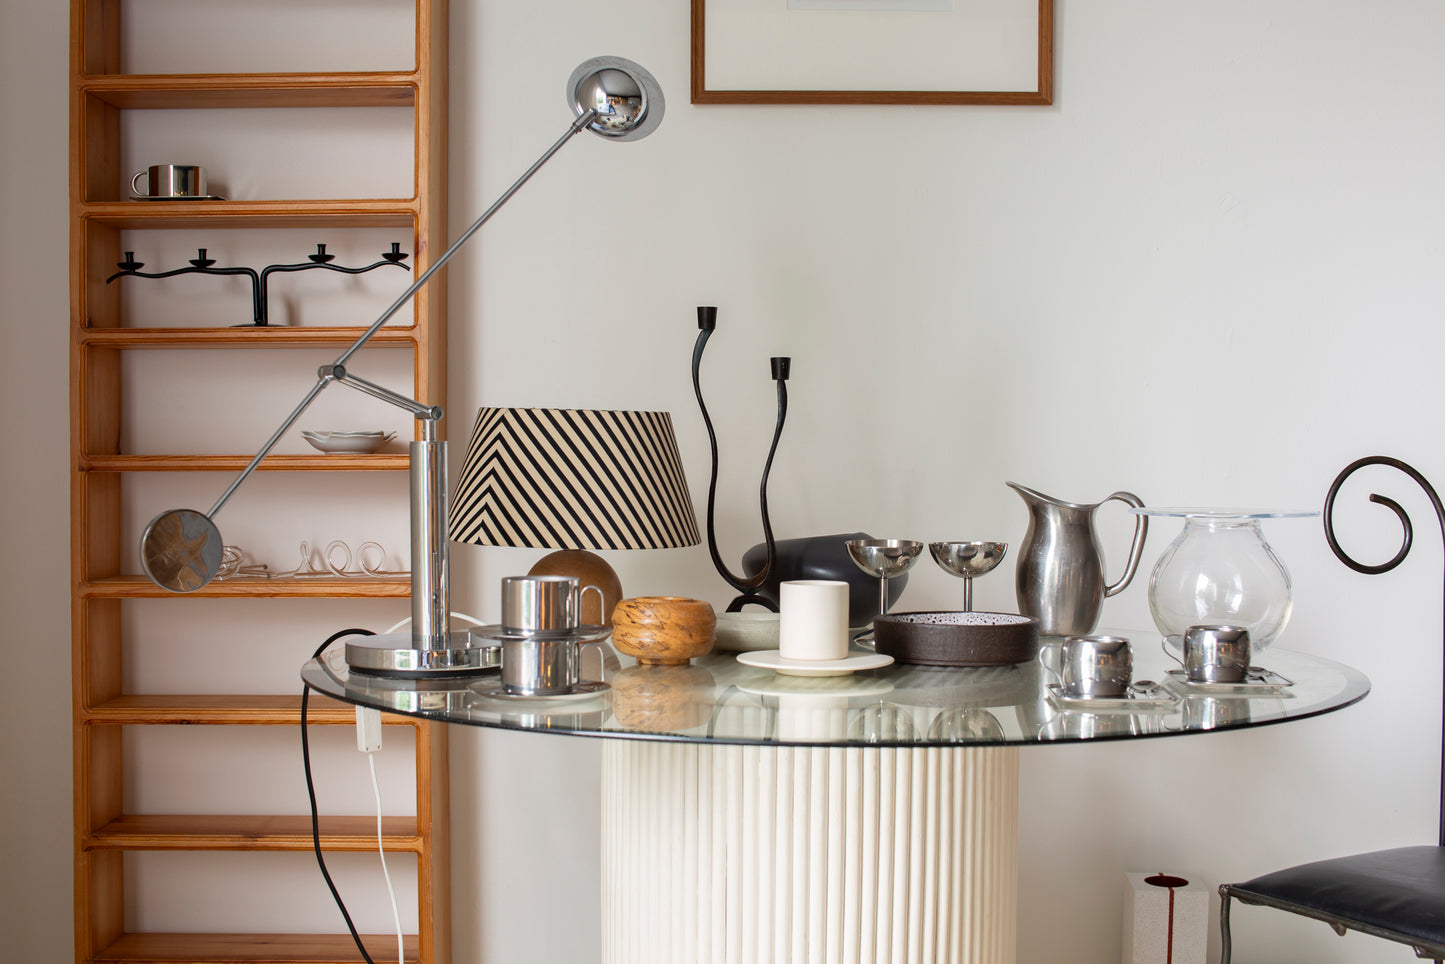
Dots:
pixel 180 549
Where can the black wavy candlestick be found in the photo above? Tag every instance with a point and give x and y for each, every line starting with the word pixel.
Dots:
pixel 1406 541
pixel 201 264
pixel 323 260
pixel 747 586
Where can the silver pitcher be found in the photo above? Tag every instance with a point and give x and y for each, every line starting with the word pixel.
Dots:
pixel 1060 575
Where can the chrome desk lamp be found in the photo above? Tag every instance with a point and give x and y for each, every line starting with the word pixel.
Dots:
pixel 180 549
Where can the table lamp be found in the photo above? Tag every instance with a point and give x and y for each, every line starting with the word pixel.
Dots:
pixel 180 549
pixel 574 480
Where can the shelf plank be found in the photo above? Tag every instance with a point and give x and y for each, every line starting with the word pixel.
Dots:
pixel 231 215
pixel 251 948
pixel 247 337
pixel 227 91
pixel 252 832
pixel 177 709
pixel 386 462
pixel 319 587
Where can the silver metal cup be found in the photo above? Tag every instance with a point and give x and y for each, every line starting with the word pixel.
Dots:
pixel 1095 666
pixel 1216 654
pixel 540 651
pixel 171 180
pixel 540 604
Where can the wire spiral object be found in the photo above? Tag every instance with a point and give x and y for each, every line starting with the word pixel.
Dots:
pixel 233 563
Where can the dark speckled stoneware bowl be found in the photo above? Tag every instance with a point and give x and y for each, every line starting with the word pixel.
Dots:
pixel 957 638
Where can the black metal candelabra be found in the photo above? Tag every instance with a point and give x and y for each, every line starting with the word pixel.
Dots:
pixel 201 264
pixel 748 587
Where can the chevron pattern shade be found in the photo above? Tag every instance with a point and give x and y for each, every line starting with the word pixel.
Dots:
pixel 549 478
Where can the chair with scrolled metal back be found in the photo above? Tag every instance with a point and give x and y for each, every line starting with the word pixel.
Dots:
pixel 1398 894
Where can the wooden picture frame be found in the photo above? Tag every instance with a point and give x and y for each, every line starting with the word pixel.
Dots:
pixel 753 52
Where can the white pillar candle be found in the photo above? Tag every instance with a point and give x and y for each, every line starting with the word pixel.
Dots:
pixel 813 623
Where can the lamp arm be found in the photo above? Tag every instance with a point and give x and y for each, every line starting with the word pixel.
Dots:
pixel 576 127
pixel 339 365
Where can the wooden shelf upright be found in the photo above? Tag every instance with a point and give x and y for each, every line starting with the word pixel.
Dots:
pixel 104 566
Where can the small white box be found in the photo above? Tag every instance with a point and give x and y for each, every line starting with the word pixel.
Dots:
pixel 1151 934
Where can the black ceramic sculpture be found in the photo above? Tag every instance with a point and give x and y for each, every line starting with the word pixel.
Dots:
pixel 822 557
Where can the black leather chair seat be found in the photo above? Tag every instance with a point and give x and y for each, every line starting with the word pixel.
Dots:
pixel 1394 893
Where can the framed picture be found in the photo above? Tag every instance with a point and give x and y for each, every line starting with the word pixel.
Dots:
pixel 872 51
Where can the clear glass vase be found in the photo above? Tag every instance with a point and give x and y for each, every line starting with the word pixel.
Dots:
pixel 1221 571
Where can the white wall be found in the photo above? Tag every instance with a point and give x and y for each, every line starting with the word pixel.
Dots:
pixel 1209 274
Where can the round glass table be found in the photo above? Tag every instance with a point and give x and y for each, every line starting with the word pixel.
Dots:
pixel 753 816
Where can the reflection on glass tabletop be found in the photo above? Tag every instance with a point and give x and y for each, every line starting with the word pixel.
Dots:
pixel 717 699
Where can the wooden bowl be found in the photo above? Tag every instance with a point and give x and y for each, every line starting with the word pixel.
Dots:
pixel 957 638
pixel 663 630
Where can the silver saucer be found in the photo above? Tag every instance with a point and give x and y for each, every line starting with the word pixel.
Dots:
pixel 177 197
pixel 580 634
pixel 491 689
pixel 1258 681
pixel 1152 697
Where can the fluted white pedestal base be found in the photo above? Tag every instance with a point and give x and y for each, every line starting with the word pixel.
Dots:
pixel 857 855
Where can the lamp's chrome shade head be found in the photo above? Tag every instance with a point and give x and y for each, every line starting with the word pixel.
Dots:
pixel 627 99
pixel 551 478
pixel 181 550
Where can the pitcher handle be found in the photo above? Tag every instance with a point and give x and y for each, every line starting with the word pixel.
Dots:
pixel 1136 550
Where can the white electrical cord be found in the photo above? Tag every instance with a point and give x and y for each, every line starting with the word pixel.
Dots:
pixel 381 852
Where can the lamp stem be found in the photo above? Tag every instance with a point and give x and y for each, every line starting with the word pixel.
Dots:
pixel 430 563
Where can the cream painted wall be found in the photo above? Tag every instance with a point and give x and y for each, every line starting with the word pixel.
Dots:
pixel 1209 274
pixel 35 895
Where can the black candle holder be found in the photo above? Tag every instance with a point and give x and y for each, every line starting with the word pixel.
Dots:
pixel 748 586
pixel 201 264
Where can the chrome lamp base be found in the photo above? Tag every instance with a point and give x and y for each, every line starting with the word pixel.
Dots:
pixel 397 655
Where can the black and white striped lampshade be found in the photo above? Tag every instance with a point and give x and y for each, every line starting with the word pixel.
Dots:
pixel 549 478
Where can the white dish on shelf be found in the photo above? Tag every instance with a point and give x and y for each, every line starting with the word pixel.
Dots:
pixel 774 660
pixel 349 443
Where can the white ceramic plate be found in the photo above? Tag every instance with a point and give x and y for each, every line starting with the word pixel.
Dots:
pixel 774 660
pixel 350 443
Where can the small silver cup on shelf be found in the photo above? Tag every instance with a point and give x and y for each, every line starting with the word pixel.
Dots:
pixel 171 181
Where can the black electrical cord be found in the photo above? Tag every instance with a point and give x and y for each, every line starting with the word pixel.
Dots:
pixel 311 793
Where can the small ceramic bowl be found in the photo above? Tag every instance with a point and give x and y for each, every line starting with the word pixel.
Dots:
pixel 957 638
pixel 747 632
pixel 348 443
pixel 663 630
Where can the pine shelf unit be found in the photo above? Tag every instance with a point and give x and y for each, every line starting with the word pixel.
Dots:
pixel 104 578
